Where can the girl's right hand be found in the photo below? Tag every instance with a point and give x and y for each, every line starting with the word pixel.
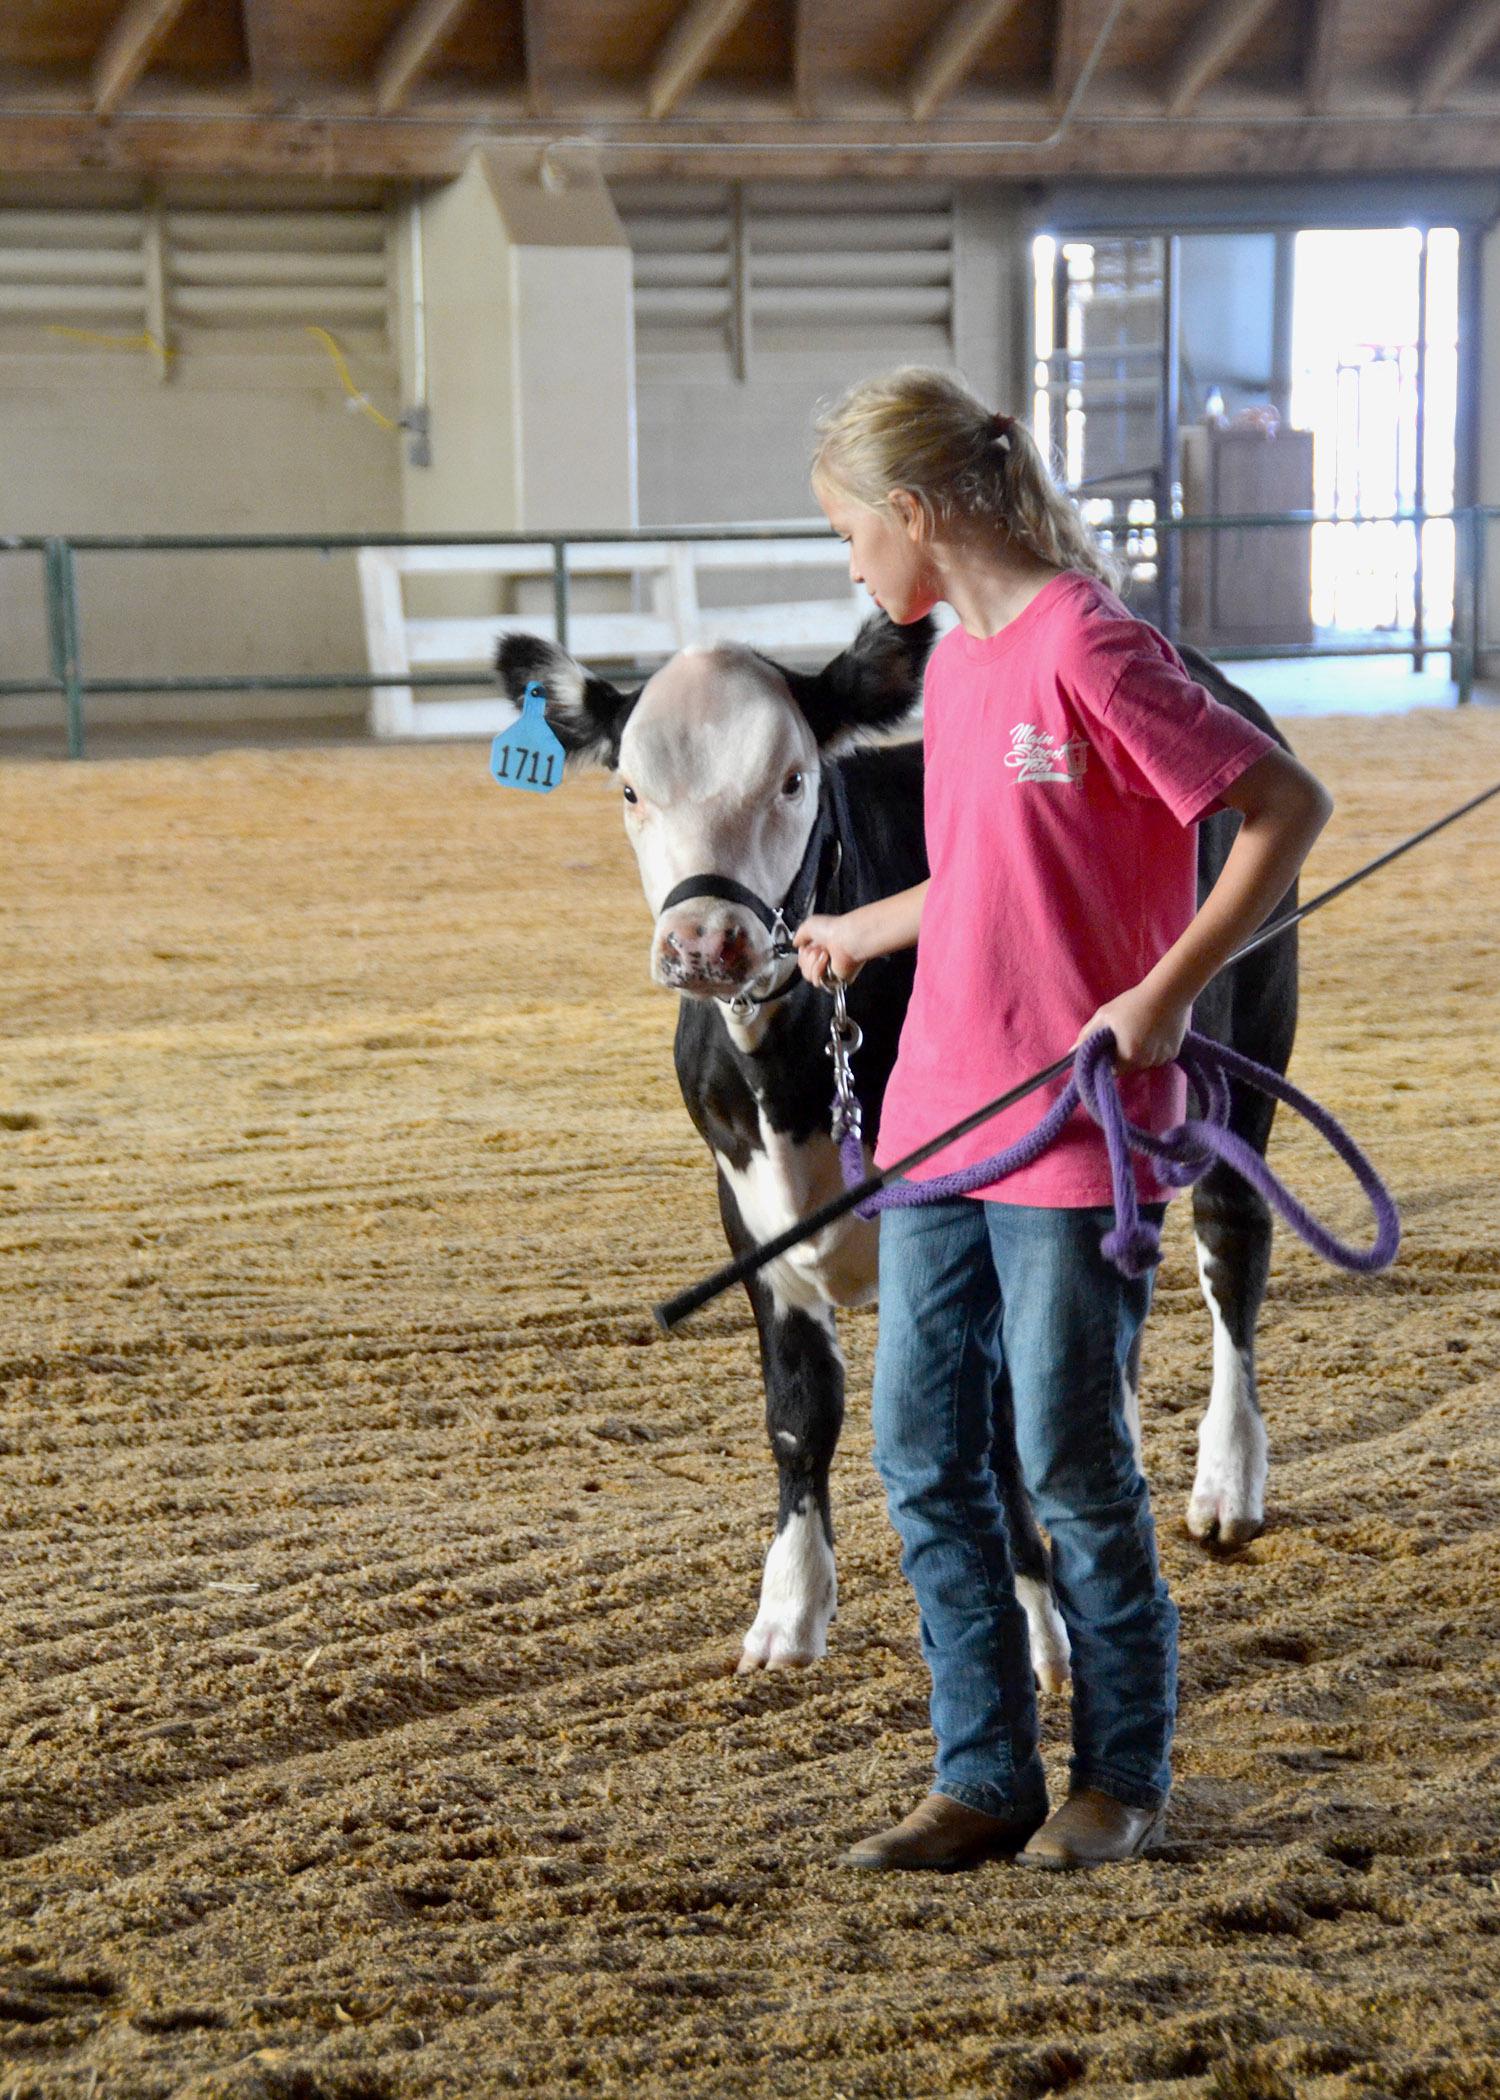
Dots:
pixel 824 942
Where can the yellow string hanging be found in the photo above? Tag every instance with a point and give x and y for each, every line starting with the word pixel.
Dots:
pixel 144 341
pixel 355 393
pixel 147 341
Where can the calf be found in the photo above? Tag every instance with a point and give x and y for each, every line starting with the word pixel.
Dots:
pixel 747 809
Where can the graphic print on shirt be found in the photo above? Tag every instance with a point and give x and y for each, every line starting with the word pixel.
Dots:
pixel 1035 754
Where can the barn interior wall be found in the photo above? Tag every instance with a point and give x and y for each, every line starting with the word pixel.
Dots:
pixel 92 442
pixel 529 380
pixel 715 449
pixel 528 316
pixel 527 323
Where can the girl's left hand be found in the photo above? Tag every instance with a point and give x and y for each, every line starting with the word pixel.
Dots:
pixel 1146 1031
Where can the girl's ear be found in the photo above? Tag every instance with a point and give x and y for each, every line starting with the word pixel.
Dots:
pixel 911 513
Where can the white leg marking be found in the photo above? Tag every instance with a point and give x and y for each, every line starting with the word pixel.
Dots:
pixel 798 1596
pixel 781 1182
pixel 1049 1637
pixel 1133 1419
pixel 1229 1490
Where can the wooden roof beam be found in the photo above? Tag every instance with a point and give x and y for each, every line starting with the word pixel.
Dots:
pixel 951 56
pixel 536 58
pixel 1222 30
pixel 129 49
pixel 272 84
pixel 1068 52
pixel 410 47
pixel 687 51
pixel 1322 43
pixel 804 93
pixel 1458 50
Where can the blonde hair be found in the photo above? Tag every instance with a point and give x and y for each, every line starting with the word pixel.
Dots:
pixel 924 431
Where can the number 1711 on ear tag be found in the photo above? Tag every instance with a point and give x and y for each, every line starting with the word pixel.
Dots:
pixel 528 754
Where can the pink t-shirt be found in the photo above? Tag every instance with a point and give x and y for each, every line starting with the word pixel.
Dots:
pixel 1067 759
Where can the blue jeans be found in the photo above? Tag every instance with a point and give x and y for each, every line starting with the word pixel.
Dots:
pixel 981 1303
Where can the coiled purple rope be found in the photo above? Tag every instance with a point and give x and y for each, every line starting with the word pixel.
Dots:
pixel 1182 1155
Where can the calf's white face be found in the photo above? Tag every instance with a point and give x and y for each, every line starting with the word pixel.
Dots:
pixel 719 774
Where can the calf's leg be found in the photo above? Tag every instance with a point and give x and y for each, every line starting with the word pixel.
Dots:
pixel 1028 1550
pixel 1232 1228
pixel 804 1374
pixel 803 1369
pixel 1253 1007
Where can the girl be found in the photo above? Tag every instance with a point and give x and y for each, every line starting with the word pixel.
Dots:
pixel 1068 756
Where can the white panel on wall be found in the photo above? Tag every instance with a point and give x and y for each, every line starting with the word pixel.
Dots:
pixel 258 274
pixel 741 271
pixel 72 269
pixel 275 270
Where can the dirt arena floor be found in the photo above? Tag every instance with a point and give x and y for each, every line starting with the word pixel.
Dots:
pixel 370 1570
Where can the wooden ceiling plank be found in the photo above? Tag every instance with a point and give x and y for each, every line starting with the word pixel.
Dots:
pixel 687 51
pixel 410 48
pixel 269 79
pixel 1322 43
pixel 129 49
pixel 1458 50
pixel 950 57
pixel 536 58
pixel 1223 29
pixel 804 92
pixel 1068 52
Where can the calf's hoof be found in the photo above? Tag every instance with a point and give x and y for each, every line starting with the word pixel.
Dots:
pixel 777 1650
pixel 1221 1521
pixel 798 1598
pixel 1227 1506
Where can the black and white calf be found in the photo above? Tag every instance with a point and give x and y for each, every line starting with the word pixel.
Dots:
pixel 743 800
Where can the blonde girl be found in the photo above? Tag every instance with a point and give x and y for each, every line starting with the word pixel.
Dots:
pixel 1068 757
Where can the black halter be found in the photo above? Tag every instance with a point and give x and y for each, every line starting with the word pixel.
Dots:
pixel 822 857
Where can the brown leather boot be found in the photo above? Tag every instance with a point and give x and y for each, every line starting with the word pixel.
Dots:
pixel 941 1835
pixel 1094 1830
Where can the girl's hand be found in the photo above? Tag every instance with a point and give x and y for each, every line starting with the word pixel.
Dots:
pixel 824 942
pixel 1147 1031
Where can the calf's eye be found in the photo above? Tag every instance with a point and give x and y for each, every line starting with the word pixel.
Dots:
pixel 631 795
pixel 792 785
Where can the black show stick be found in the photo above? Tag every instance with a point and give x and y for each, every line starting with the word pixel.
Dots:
pixel 673 1311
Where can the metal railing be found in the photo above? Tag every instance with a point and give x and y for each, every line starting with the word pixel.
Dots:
pixel 1464 647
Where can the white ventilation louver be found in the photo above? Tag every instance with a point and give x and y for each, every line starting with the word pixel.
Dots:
pixel 773 267
pixel 682 241
pixel 238 269
pixel 82 269
pixel 258 273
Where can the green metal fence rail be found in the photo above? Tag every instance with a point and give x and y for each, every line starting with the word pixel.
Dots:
pixel 1464 647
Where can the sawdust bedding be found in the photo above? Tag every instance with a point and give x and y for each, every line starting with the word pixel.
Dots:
pixel 370 1571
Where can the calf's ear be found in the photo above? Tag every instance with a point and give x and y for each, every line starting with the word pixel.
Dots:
pixel 872 685
pixel 585 713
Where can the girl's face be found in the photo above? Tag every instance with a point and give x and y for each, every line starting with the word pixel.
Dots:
pixel 887 550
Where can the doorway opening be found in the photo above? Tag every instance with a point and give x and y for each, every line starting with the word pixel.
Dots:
pixel 1244 373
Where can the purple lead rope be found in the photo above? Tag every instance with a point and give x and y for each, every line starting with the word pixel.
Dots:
pixel 1181 1155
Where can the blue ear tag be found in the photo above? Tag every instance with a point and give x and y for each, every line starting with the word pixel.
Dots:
pixel 528 755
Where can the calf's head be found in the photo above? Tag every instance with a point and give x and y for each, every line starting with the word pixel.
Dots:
pixel 719 757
